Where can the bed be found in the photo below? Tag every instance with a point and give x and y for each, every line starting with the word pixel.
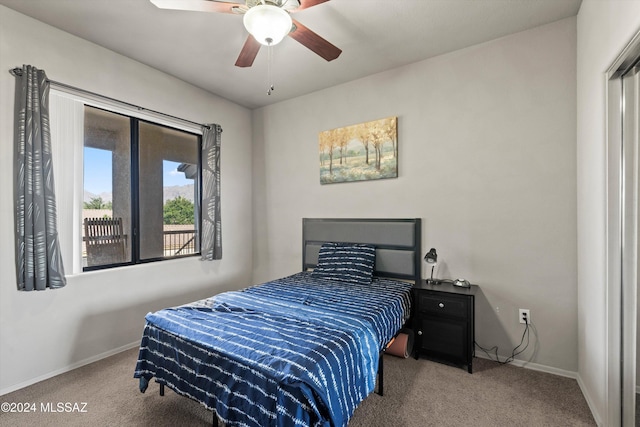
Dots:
pixel 302 350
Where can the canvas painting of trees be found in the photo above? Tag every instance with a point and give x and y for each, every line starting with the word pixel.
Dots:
pixel 359 152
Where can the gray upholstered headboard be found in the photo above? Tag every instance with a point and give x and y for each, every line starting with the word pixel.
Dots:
pixel 397 242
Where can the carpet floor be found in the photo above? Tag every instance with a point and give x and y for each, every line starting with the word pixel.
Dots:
pixel 417 393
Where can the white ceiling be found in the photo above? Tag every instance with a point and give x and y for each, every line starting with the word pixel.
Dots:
pixel 374 35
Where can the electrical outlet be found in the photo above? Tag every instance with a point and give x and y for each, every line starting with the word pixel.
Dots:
pixel 523 314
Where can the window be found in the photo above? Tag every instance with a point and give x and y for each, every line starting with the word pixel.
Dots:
pixel 168 183
pixel 107 184
pixel 127 183
pixel 141 192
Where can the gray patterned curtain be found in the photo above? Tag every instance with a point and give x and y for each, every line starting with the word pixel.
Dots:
pixel 211 240
pixel 38 257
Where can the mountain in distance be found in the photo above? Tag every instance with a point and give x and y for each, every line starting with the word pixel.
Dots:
pixel 105 196
pixel 170 192
pixel 174 191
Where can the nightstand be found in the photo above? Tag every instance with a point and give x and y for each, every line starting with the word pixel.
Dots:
pixel 443 322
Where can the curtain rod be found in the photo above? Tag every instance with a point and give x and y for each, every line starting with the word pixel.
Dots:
pixel 17 72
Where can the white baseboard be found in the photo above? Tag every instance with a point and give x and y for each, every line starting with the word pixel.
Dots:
pixel 597 417
pixel 555 371
pixel 69 368
pixel 534 366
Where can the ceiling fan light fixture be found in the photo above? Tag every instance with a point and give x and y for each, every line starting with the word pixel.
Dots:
pixel 268 24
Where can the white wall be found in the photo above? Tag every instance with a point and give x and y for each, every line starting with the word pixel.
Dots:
pixel 46 332
pixel 604 28
pixel 487 159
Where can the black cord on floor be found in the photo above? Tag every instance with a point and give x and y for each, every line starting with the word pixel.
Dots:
pixel 514 352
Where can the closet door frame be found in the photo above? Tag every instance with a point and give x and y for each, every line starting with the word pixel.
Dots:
pixel 623 124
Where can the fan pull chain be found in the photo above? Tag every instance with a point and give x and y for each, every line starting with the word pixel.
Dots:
pixel 269 60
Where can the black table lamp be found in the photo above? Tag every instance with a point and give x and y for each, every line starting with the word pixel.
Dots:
pixel 432 259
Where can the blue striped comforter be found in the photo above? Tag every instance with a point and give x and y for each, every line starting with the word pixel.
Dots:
pixel 298 351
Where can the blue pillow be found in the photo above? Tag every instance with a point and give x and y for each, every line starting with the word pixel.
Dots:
pixel 346 262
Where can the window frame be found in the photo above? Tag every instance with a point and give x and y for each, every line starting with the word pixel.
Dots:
pixel 134 147
pixel 136 115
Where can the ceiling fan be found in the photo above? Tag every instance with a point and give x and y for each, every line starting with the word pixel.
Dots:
pixel 253 10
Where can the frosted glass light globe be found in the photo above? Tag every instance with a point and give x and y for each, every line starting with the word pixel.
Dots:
pixel 268 24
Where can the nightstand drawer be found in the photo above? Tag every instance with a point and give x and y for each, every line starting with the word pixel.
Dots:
pixel 442 305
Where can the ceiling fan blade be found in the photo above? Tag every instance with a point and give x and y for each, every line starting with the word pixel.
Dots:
pixel 197 5
pixel 306 4
pixel 311 40
pixel 248 52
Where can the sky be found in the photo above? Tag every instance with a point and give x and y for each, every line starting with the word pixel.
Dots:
pixel 97 172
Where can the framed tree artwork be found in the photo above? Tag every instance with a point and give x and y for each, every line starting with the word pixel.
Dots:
pixel 359 152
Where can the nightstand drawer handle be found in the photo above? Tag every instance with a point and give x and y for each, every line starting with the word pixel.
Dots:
pixel 419 332
pixel 441 305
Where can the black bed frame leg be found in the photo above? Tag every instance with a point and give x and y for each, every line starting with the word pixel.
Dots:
pixel 161 387
pixel 381 374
